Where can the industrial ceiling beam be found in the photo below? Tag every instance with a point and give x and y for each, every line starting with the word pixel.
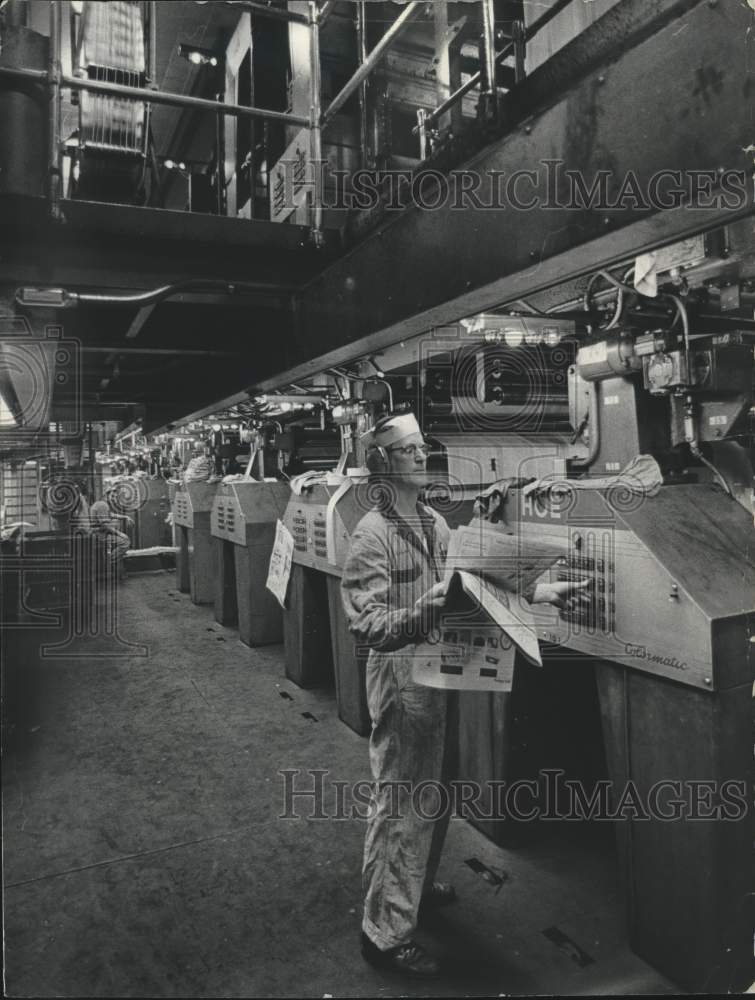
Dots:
pixel 101 246
pixel 643 91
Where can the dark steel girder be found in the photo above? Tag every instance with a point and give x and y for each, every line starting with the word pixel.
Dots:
pixel 121 246
pixel 654 85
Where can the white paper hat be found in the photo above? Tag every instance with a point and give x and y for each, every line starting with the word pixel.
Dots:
pixel 392 430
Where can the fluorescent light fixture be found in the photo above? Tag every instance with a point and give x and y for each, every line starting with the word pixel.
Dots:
pixel 52 298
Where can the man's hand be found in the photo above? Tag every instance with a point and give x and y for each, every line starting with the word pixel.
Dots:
pixel 558 593
pixel 430 603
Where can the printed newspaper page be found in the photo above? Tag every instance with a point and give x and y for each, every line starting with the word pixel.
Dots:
pixel 493 569
pixel 280 563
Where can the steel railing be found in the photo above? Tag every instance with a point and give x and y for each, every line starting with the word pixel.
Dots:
pixel 318 118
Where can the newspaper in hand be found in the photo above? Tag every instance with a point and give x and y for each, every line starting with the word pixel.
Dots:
pixel 494 569
pixel 509 562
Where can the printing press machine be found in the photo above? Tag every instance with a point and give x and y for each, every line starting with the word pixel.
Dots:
pixel 317 641
pixel 242 523
pixel 195 563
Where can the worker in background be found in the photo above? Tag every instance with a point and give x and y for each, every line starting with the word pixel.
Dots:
pixel 200 468
pixel 105 528
pixel 393 595
pixel 80 517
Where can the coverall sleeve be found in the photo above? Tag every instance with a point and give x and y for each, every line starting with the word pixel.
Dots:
pixel 365 592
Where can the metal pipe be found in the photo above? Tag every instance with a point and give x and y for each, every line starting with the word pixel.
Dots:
pixel 158 294
pixel 166 291
pixel 152 63
pixel 22 73
pixel 315 124
pixel 520 50
pixel 163 97
pixel 488 60
pixel 54 74
pixel 361 26
pixel 325 11
pixel 219 162
pixel 402 21
pixel 457 95
pixel 422 129
pixel 549 14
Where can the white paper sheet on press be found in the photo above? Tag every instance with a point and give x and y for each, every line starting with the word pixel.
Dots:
pixel 306 480
pixel 280 563
pixel 510 562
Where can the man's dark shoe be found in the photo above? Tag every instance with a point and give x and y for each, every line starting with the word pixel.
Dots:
pixel 439 894
pixel 409 959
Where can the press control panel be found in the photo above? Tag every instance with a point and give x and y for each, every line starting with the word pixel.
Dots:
pixel 225 524
pixel 321 521
pixel 192 499
pixel 668 583
pixel 310 532
pixel 594 607
pixel 241 510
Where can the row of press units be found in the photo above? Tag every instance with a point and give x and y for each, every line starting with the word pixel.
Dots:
pixel 224 536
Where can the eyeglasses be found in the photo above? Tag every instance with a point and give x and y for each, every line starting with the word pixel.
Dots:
pixel 412 449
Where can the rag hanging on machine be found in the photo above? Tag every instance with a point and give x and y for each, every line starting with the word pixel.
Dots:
pixel 642 477
pixel 490 505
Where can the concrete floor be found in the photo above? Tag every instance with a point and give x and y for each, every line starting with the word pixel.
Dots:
pixel 144 855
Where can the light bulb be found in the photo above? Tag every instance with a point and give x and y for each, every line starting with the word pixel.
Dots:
pixel 532 337
pixel 513 336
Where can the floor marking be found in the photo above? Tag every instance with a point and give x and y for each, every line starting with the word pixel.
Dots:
pixel 569 947
pixel 492 878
